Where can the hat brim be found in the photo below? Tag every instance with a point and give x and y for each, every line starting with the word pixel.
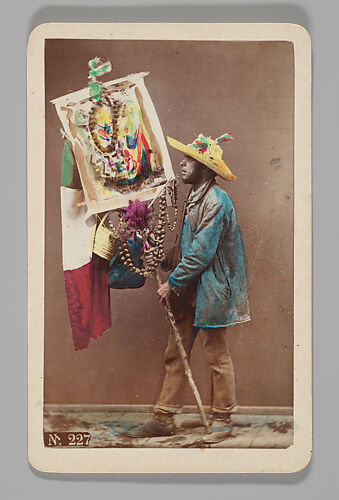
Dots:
pixel 218 166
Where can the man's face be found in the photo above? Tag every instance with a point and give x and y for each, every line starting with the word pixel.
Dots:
pixel 191 170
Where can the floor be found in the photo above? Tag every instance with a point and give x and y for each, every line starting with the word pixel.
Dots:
pixel 106 430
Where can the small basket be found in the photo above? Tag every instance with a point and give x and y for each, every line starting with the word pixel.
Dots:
pixel 104 242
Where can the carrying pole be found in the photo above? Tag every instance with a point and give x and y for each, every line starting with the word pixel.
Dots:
pixel 188 371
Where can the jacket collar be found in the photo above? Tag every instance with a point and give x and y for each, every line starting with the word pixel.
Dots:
pixel 195 196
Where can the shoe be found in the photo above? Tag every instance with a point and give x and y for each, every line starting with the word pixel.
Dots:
pixel 221 422
pixel 154 428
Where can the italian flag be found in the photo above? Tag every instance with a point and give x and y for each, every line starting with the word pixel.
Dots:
pixel 86 274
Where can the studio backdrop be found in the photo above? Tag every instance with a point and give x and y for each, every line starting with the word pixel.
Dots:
pixel 245 88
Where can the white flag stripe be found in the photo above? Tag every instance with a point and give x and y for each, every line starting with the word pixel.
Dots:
pixel 76 230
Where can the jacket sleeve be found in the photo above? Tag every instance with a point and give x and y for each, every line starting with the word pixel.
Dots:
pixel 203 247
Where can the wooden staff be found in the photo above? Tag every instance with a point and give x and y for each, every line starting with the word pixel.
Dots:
pixel 188 371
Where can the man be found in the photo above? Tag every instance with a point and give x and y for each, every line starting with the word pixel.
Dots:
pixel 207 287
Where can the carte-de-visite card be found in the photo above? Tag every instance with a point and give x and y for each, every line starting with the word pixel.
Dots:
pixel 169 247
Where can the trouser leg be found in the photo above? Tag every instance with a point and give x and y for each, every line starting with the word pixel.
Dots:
pixel 175 379
pixel 217 355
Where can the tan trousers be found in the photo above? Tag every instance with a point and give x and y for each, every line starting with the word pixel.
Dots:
pixel 217 356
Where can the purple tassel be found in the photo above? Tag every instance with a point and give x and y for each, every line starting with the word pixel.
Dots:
pixel 137 215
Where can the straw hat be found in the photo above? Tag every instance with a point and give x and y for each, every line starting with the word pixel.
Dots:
pixel 208 152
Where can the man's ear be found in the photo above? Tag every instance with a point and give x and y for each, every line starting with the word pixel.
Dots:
pixel 210 174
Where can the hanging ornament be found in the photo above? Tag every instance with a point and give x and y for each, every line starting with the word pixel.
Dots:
pixel 139 220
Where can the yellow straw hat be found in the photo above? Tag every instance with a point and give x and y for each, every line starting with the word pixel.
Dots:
pixel 208 152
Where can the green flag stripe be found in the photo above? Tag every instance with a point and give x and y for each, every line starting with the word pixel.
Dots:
pixel 67 165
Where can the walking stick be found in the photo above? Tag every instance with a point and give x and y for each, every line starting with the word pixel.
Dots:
pixel 188 371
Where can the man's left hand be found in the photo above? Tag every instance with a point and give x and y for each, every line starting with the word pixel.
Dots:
pixel 164 292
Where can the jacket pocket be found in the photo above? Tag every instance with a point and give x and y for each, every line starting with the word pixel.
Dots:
pixel 224 285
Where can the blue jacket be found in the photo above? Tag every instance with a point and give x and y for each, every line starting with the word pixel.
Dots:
pixel 212 259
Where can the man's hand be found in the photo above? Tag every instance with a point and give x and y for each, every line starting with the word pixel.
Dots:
pixel 164 292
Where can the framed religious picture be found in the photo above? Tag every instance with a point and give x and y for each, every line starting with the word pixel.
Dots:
pixel 169 239
pixel 116 139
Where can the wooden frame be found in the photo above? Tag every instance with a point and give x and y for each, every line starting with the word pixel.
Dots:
pixel 94 199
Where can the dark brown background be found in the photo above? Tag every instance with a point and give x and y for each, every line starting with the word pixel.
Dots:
pixel 245 88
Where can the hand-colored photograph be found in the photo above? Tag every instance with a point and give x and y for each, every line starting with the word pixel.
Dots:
pixel 169 248
pixel 169 244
